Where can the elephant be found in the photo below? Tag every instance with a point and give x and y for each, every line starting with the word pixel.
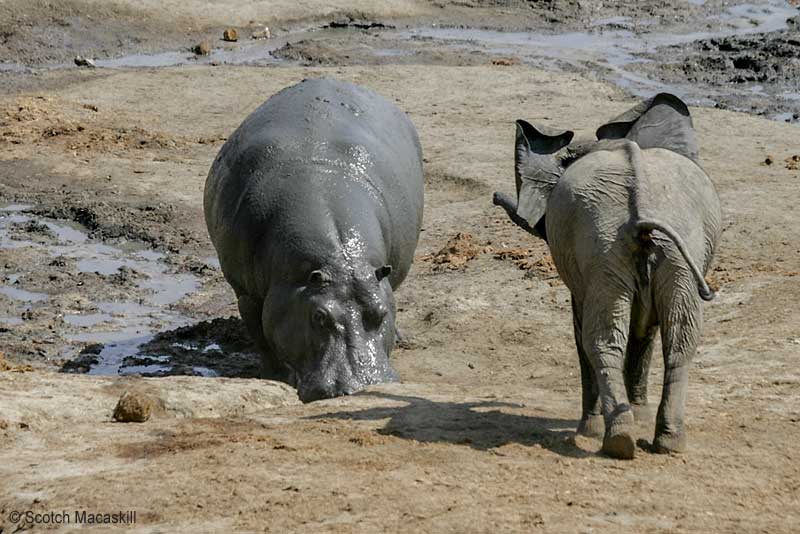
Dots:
pixel 632 222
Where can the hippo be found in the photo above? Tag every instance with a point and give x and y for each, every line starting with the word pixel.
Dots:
pixel 314 206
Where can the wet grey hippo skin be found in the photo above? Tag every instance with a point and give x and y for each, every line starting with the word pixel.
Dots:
pixel 314 205
pixel 632 222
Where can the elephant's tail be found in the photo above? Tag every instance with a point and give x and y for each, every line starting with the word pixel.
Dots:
pixel 644 228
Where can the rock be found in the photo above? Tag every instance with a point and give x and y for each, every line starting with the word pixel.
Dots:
pixel 769 160
pixel 133 407
pixel 263 34
pixel 230 35
pixel 505 61
pixel 84 62
pixel 202 49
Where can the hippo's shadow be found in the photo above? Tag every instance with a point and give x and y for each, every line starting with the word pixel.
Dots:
pixel 480 425
pixel 221 347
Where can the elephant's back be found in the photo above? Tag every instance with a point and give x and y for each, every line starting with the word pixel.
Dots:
pixel 680 193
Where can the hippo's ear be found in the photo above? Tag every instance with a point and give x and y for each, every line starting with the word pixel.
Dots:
pixel 659 122
pixel 383 272
pixel 537 168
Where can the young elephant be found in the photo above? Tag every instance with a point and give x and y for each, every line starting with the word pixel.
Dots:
pixel 632 222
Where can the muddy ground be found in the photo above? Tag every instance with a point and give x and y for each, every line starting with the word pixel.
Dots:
pixel 105 266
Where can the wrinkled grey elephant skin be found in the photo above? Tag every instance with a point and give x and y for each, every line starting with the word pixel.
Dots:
pixel 314 206
pixel 632 221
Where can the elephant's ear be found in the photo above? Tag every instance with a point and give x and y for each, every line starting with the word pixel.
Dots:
pixel 659 122
pixel 537 167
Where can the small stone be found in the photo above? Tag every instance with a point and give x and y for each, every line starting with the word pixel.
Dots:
pixel 769 160
pixel 230 35
pixel 133 407
pixel 505 61
pixel 202 49
pixel 84 62
pixel 263 34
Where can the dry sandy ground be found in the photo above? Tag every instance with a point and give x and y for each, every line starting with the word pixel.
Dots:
pixel 479 436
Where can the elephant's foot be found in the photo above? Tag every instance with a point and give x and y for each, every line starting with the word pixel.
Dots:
pixel 591 426
pixel 666 442
pixel 642 413
pixel 618 441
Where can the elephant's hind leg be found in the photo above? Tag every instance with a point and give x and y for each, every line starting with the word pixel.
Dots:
pixel 638 355
pixel 605 322
pixel 591 423
pixel 681 322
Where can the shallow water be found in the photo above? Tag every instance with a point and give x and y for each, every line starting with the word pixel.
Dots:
pixel 612 50
pixel 121 325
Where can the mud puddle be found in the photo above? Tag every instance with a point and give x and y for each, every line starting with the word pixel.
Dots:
pixel 257 52
pixel 115 300
pixel 614 54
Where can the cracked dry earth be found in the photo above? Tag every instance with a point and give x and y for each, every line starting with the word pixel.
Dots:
pixel 479 436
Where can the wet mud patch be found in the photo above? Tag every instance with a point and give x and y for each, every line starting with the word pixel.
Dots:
pixel 220 347
pixel 147 223
pixel 761 70
pixel 102 297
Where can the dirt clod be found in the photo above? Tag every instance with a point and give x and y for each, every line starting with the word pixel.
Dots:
pixel 457 252
pixel 230 35
pixel 202 49
pixel 261 34
pixel 133 407
pixel 84 62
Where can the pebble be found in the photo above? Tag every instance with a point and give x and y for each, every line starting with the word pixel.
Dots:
pixel 263 34
pixel 84 62
pixel 133 407
pixel 230 35
pixel 202 49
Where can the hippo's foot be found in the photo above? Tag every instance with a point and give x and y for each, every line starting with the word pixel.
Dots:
pixel 667 442
pixel 591 426
pixel 618 441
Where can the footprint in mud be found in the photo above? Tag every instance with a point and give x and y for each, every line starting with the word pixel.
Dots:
pixel 114 296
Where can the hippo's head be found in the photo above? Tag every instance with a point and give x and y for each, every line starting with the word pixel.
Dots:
pixel 335 329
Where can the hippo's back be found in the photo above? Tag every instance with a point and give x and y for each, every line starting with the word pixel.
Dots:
pixel 319 149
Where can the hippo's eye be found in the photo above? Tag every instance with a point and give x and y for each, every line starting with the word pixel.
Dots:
pixel 373 316
pixel 321 318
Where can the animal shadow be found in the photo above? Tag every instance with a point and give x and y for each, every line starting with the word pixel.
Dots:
pixel 480 425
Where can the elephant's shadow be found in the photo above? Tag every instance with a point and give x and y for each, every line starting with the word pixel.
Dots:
pixel 479 425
